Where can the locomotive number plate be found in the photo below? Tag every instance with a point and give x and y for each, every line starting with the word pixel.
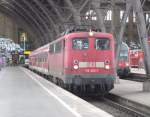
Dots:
pixel 91 64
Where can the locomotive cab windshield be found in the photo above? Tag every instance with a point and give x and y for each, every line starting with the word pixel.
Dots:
pixel 102 44
pixel 80 44
pixel 123 55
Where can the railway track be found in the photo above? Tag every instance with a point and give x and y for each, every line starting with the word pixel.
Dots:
pixel 115 108
pixel 136 77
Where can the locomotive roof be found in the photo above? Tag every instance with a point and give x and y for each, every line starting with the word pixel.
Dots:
pixel 72 35
pixel 83 34
pixel 84 29
pixel 86 34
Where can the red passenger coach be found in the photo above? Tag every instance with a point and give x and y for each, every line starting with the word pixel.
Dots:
pixel 38 60
pixel 80 60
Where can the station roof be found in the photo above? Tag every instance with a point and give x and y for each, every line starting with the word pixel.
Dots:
pixel 45 19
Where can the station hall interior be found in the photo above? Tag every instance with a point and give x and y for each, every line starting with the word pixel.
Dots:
pixel 75 58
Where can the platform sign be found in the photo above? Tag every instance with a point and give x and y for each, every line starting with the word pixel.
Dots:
pixel 27 52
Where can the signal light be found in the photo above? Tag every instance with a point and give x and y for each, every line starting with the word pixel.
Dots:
pixel 127 64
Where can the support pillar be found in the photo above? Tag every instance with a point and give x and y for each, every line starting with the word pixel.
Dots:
pixel 130 27
pixel 115 17
pixel 146 86
pixel 75 12
pixel 115 24
pixel 100 19
pixel 122 28
pixel 144 41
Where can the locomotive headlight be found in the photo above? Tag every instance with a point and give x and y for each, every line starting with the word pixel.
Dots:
pixel 91 33
pixel 127 64
pixel 107 67
pixel 76 67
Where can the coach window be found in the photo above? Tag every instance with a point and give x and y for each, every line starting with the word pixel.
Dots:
pixel 102 44
pixel 44 59
pixel 80 44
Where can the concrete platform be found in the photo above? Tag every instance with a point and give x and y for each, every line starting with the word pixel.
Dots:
pixel 25 94
pixel 133 93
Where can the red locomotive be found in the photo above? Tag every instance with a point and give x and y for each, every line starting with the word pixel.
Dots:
pixel 137 58
pixel 78 60
pixel 123 68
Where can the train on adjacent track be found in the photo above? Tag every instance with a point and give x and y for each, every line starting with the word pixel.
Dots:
pixel 82 61
pixel 128 59
pixel 123 66
pixel 137 58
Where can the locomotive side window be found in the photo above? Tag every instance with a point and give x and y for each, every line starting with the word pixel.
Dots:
pixel 80 44
pixel 58 47
pixel 102 44
pixel 51 49
pixel 55 48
